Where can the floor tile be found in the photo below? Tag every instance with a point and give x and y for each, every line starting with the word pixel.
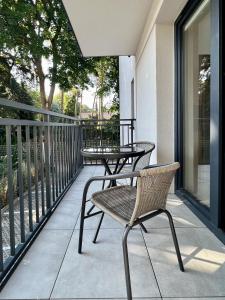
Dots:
pixel 182 216
pixel 65 216
pixel 204 261
pixel 35 276
pixel 99 272
pixel 92 222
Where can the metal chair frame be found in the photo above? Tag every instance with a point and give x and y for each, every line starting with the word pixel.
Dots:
pixel 127 229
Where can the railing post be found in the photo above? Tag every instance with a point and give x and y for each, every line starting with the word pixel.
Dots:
pixel 132 131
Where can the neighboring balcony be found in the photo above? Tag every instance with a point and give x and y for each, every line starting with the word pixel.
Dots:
pixel 45 177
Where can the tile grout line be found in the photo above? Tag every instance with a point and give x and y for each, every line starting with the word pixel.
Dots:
pixel 73 230
pixel 63 258
pixel 151 264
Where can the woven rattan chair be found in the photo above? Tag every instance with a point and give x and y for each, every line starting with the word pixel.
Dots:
pixel 142 161
pixel 138 163
pixel 131 206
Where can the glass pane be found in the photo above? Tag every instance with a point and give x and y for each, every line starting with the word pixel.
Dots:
pixel 197 104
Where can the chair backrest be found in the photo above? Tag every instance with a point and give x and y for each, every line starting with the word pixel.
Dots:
pixel 152 189
pixel 142 161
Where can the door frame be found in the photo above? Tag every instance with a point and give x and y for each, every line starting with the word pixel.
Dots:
pixel 212 217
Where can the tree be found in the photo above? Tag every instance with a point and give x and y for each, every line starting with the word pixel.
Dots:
pixel 107 75
pixel 35 33
pixel 12 90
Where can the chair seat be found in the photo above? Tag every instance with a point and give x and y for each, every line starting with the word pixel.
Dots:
pixel 117 201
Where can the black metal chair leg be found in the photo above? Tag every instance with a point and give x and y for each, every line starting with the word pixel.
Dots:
pixel 103 183
pixel 81 226
pixel 90 210
pixel 175 240
pixel 131 181
pixel 143 227
pixel 97 231
pixel 126 263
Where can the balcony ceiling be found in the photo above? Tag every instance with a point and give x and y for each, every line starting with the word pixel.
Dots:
pixel 123 22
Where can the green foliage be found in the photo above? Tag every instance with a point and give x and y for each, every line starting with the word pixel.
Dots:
pixel 32 31
pixel 35 33
pixel 107 73
pixel 12 90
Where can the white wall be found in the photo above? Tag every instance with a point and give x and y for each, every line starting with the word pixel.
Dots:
pixel 154 78
pixel 127 73
pixel 165 92
pixel 146 124
pixel 155 93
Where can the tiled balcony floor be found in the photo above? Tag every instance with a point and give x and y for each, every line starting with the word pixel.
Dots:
pixel 52 269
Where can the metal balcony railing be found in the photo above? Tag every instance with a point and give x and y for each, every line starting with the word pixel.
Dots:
pixel 39 159
pixel 106 133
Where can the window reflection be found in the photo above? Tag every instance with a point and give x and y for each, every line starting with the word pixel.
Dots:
pixel 197 104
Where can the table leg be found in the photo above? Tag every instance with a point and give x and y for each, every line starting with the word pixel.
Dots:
pixel 107 168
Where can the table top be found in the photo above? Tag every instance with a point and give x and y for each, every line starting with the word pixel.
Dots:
pixel 114 152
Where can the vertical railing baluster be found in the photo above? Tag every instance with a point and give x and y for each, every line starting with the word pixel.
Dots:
pixel 47 166
pixel 60 159
pixel 80 161
pixel 132 131
pixel 29 178
pixel 52 157
pixel 10 190
pixel 66 154
pixel 73 150
pixel 1 241
pixel 63 155
pixel 20 182
pixel 42 170
pixel 77 138
pixel 70 152
pixel 35 143
pixel 55 136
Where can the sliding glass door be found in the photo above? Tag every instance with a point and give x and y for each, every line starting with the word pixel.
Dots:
pixel 200 110
pixel 196 122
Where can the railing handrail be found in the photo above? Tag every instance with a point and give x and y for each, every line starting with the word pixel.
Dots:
pixel 30 108
pixel 18 122
pixel 106 120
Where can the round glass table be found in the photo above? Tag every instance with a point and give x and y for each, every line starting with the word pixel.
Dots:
pixel 106 154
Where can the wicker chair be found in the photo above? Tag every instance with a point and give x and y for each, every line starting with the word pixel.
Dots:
pixel 142 161
pixel 139 162
pixel 131 206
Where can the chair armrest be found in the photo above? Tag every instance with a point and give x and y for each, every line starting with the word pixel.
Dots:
pixel 107 177
pixel 155 166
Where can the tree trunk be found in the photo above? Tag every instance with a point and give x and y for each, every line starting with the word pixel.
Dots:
pixel 81 102
pixel 41 77
pixel 94 104
pixel 50 96
pixel 62 100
